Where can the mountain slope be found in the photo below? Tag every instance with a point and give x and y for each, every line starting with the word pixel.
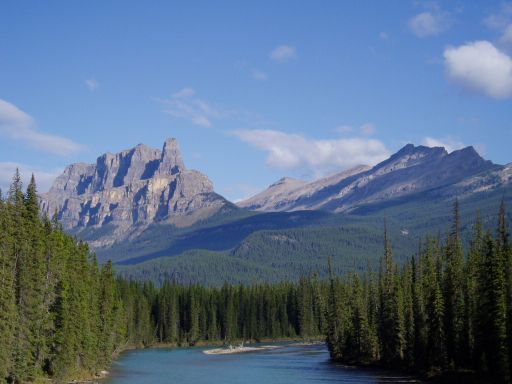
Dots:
pixel 289 194
pixel 153 217
pixel 410 171
pixel 352 240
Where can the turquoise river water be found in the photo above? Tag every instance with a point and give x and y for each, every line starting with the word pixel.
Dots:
pixel 290 364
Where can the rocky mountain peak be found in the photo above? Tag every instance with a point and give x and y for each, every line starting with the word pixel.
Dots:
pixel 467 154
pixel 286 180
pixel 130 190
pixel 411 170
pixel 171 160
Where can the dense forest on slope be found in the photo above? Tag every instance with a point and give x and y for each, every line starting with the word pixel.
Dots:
pixel 445 310
pixel 59 312
pixel 273 256
pixel 63 316
pixel 272 247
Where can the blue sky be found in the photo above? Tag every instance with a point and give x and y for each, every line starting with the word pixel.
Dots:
pixel 253 91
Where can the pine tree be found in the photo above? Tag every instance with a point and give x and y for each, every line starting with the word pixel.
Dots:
pixel 506 255
pixel 407 309
pixel 453 288
pixel 419 318
pixel 493 316
pixel 360 347
pixel 390 321
pixel 434 307
pixel 7 292
pixel 305 308
pixel 334 325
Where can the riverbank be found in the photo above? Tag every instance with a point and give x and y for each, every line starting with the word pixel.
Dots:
pixel 92 378
pixel 290 364
pixel 219 343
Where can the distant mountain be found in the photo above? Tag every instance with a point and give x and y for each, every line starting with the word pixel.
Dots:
pixel 122 194
pixel 288 194
pixel 154 218
pixel 410 171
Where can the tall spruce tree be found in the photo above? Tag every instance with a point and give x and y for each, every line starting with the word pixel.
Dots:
pixel 493 314
pixel 390 320
pixel 505 250
pixel 453 288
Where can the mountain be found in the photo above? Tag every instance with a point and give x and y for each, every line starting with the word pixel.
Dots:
pixel 410 171
pixel 288 194
pixel 122 194
pixel 144 210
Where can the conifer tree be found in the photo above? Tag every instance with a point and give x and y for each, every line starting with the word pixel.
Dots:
pixel 493 316
pixel 334 325
pixel 390 321
pixel 506 255
pixel 453 288
pixel 419 320
pixel 7 292
pixel 305 308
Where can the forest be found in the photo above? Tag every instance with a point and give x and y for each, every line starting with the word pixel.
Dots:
pixel 63 316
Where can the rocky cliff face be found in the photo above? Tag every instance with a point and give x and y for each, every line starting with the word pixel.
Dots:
pixel 409 171
pixel 127 191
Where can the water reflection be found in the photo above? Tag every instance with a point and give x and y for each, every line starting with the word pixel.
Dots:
pixel 288 365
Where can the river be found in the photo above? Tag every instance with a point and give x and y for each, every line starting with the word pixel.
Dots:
pixel 290 364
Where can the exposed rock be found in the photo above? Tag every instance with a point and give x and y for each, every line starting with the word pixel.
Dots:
pixel 289 194
pixel 411 170
pixel 129 191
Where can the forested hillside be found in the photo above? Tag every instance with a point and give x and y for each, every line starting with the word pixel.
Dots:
pixel 62 316
pixel 446 310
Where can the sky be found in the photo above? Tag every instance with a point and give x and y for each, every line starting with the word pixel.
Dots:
pixel 252 90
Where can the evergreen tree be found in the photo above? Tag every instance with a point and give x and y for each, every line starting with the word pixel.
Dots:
pixel 505 250
pixel 390 321
pixel 7 292
pixel 493 316
pixel 453 288
pixel 334 325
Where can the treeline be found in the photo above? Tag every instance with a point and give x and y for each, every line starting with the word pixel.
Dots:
pixel 185 315
pixel 446 310
pixel 60 315
pixel 63 316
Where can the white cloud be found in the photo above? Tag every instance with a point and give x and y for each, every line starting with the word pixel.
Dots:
pixel 506 38
pixel 479 66
pixel 345 129
pixel 185 105
pixel 258 75
pixel 428 24
pixel 383 36
pixel 367 129
pixel 184 92
pixel 44 179
pixel 92 84
pixel 318 157
pixel 499 20
pixel 17 125
pixel 283 53
pixel 449 143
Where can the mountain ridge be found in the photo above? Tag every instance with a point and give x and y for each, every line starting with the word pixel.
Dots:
pixel 130 190
pixel 410 170
pixel 143 203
